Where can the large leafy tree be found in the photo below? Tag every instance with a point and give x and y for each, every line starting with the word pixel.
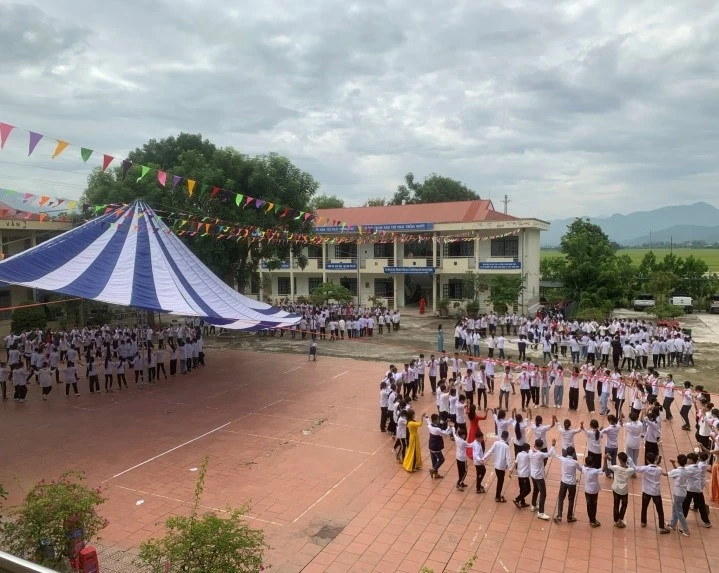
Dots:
pixel 434 189
pixel 270 177
pixel 590 275
pixel 326 202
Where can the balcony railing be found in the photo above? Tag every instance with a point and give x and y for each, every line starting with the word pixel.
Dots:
pixel 11 564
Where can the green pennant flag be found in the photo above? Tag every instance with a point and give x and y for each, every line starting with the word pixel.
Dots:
pixel 85 154
pixel 278 208
pixel 203 188
pixel 145 171
pixel 238 199
pixel 99 208
pixel 299 215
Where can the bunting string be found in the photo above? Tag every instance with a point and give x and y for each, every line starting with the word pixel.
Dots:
pixel 47 208
pixel 242 201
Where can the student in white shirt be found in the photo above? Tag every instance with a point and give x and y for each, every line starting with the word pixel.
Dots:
pixel 519 431
pixel 668 397
pixel 620 487
pixel 611 446
pixel 567 434
pixel 505 386
pixel 537 461
pixel 461 444
pixel 687 400
pixel 477 455
pixel 522 468
pixel 594 445
pixel 679 492
pixel 591 491
pixel 71 378
pixel 651 489
pixel 502 462
pixel 44 376
pixel 568 485
pixel 696 477
pixel 633 430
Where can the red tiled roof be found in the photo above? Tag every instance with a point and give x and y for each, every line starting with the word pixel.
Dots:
pixel 457 212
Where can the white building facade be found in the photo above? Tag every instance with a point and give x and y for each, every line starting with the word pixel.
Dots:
pixel 400 254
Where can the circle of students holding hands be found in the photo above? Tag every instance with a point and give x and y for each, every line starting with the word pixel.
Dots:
pixel 526 441
pixel 55 358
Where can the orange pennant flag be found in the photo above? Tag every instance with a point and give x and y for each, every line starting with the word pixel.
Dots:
pixel 190 186
pixel 43 216
pixel 60 147
pixel 44 200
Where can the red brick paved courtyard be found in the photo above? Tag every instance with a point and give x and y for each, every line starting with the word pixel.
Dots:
pixel 300 443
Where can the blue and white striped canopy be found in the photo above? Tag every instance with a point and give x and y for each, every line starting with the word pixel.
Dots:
pixel 130 257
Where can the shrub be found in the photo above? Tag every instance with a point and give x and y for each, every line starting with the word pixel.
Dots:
pixel 666 311
pixel 27 318
pixel 41 528
pixel 473 308
pixel 205 543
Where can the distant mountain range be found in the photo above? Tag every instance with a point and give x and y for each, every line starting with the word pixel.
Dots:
pixel 678 223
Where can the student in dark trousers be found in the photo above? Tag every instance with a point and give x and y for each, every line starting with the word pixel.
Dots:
pixel 568 485
pixel 651 489
pixel 173 360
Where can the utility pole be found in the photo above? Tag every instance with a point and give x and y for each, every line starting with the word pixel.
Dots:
pixel 506 202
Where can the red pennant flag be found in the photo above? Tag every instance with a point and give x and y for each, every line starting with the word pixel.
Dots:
pixel 248 200
pixel 215 191
pixel 28 196
pixel 284 213
pixel 106 160
pixel 5 129
pixel 162 177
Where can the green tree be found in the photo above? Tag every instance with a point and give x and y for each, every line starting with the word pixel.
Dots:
pixel 326 202
pixel 28 317
pixel 207 543
pixel 270 177
pixel 504 291
pixel 434 189
pixel 375 202
pixel 552 268
pixel 326 292
pixel 590 275
pixel 39 529
pixel 661 284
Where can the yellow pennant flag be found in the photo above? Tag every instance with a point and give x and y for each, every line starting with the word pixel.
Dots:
pixel 60 147
pixel 191 186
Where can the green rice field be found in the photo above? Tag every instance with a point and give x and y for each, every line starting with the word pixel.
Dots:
pixel 711 256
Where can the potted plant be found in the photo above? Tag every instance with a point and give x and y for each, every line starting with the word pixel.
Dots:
pixel 443 306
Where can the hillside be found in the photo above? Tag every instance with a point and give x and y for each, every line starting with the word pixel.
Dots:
pixel 693 222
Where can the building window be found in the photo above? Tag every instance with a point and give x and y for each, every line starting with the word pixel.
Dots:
pixel 350 284
pixel 459 249
pixel 5 303
pixel 283 285
pixel 383 250
pixel 313 283
pixel 383 288
pixel 346 251
pixel 505 247
pixel 314 251
pixel 418 249
pixel 454 289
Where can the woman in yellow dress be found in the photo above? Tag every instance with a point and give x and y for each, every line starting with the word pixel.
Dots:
pixel 413 457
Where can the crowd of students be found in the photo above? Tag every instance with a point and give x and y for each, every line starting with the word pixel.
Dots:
pixel 52 358
pixel 460 389
pixel 338 321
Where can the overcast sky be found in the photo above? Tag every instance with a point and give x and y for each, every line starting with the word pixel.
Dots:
pixel 571 108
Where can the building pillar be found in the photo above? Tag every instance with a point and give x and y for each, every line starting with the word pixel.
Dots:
pixel 262 284
pixel 292 276
pixel 324 262
pixel 434 276
pixel 476 252
pixel 394 276
pixel 33 239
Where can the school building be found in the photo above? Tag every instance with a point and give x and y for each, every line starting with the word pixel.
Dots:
pixel 405 252
pixel 16 235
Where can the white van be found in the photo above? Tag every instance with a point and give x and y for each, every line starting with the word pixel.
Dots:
pixel 713 306
pixel 683 301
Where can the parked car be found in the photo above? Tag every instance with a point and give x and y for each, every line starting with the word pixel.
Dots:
pixel 684 302
pixel 644 301
pixel 713 305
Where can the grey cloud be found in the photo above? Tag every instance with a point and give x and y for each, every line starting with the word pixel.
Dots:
pixel 594 107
